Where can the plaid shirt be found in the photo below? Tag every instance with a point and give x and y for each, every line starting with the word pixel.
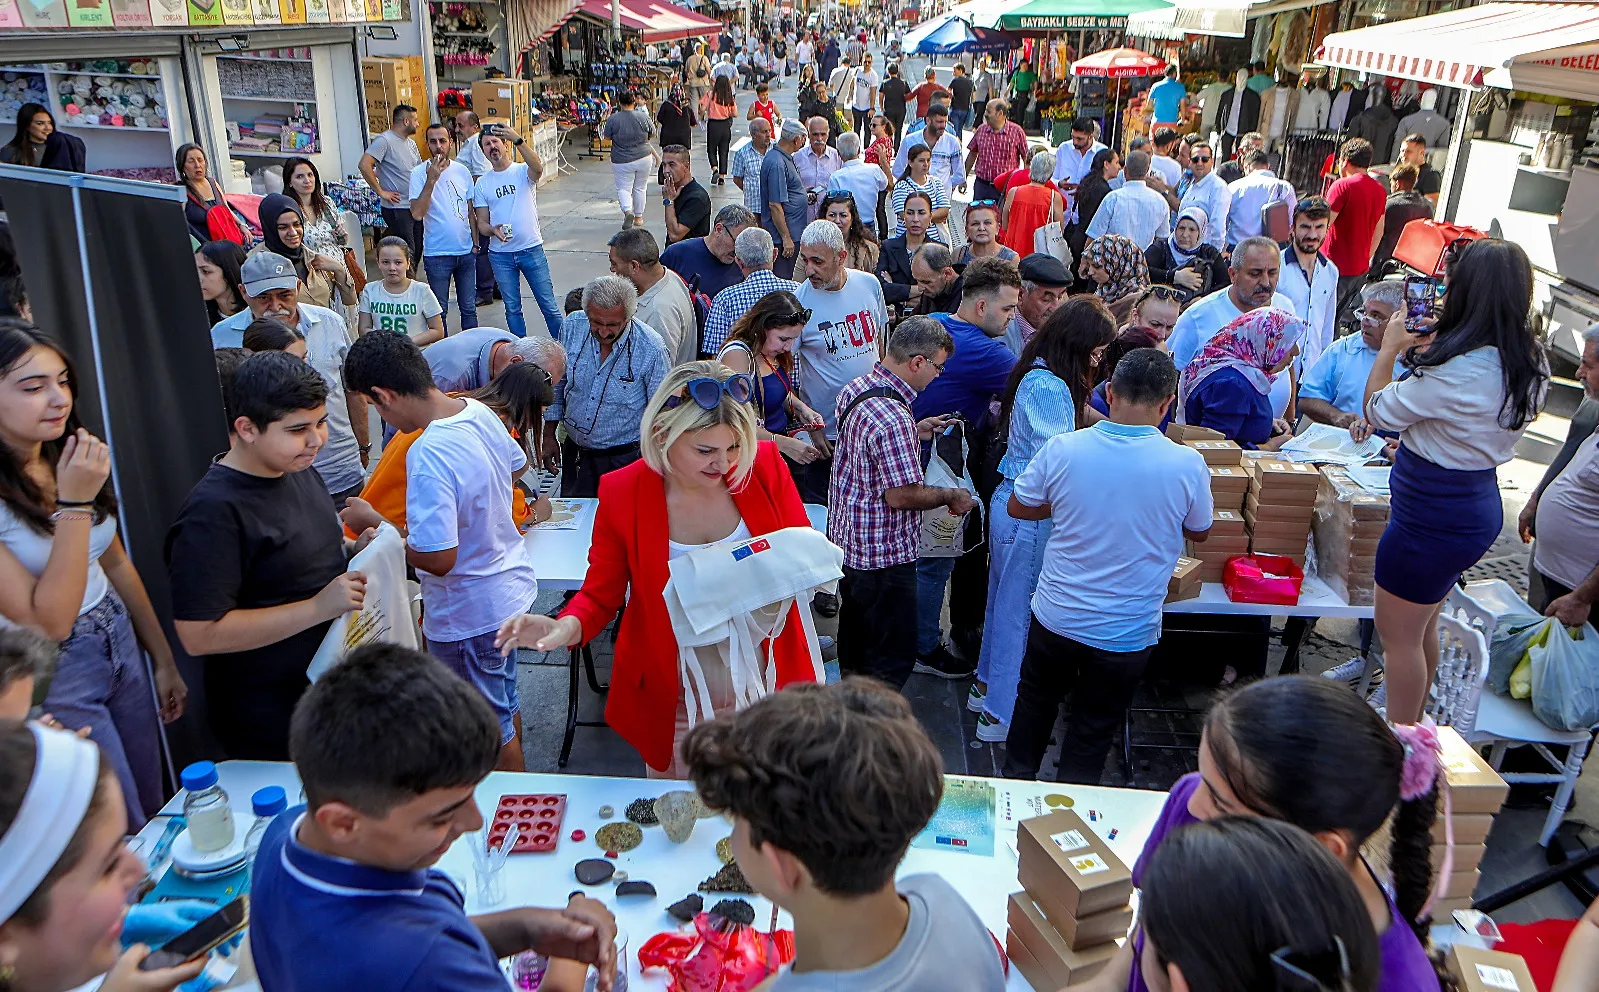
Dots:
pixel 735 301
pixel 876 451
pixel 747 165
pixel 998 151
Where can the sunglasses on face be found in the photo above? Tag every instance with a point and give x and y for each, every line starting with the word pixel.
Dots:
pixel 707 392
pixel 1201 158
pixel 788 319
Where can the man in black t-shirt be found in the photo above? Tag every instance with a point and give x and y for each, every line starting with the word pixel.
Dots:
pixel 1428 182
pixel 257 559
pixel 894 93
pixel 688 205
pixel 960 99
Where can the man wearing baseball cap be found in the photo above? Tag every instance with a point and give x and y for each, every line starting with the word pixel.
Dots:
pixel 1045 282
pixel 271 289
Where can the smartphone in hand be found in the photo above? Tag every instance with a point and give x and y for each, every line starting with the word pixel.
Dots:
pixel 201 938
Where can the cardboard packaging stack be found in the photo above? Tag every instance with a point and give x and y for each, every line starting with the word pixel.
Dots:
pixel 1074 905
pixel 1477 970
pixel 1228 538
pixel 1229 485
pixel 388 82
pixel 1349 522
pixel 1185 581
pixel 1476 792
pixel 504 101
pixel 1280 506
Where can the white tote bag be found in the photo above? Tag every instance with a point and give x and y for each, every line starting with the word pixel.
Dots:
pixel 943 532
pixel 385 615
pixel 1051 240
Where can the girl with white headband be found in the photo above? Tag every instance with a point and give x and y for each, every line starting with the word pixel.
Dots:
pixel 65 873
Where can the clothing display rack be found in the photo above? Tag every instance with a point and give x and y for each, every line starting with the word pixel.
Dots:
pixel 1303 158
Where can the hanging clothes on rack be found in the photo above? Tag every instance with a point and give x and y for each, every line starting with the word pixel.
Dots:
pixel 1304 157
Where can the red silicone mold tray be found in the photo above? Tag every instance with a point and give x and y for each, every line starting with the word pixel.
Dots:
pixel 539 816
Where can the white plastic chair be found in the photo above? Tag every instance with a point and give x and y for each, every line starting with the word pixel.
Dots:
pixel 1465 628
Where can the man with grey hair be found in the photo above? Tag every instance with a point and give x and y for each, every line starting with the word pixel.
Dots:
pixel 861 180
pixel 784 192
pixel 1333 389
pixel 816 162
pixel 463 362
pixel 1134 211
pixel 839 342
pixel 616 364
pixel 754 254
pixel 1255 267
pixel 933 268
pixel 746 171
pixel 706 264
pixel 1563 513
pixel 663 301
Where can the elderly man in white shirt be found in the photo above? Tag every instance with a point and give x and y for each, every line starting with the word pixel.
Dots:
pixel 1259 187
pixel 947 150
pixel 1208 192
pixel 1073 160
pixel 861 180
pixel 1135 211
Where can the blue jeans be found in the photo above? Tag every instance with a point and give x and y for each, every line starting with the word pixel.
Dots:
pixel 479 662
pixel 1016 556
pixel 102 682
pixel 529 263
pixel 440 270
pixel 932 576
pixel 958 119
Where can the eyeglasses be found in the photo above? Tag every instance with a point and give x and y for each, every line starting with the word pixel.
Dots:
pixel 788 319
pixel 707 393
pixel 1368 317
pixel 937 365
pixel 1201 158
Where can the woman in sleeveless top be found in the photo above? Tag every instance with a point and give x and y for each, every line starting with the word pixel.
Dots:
pixel 1029 207
pixel 761 344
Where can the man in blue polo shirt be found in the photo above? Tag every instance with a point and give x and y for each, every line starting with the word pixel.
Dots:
pixel 974 375
pixel 1166 100
pixel 1333 390
pixel 391 747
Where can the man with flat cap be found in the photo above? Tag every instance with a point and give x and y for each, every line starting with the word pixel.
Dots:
pixel 1045 282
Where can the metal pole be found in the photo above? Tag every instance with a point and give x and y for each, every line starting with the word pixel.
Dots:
pixel 616 21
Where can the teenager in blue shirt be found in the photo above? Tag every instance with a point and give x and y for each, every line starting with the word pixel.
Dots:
pixel 1227 387
pixel 391 748
pixel 981 364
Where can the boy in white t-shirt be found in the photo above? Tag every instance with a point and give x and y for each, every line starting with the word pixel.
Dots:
pixel 460 538
pixel 397 303
pixel 506 209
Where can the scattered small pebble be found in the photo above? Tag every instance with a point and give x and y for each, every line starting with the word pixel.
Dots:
pixel 593 871
pixel 619 877
pixel 612 855
pixel 606 812
pixel 578 835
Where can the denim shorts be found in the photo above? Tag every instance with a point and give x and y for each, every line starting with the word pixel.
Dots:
pixel 477 660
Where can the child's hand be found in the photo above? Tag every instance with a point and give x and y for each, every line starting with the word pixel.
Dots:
pixel 584 931
pixel 126 976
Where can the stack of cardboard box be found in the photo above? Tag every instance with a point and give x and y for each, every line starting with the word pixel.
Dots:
pixel 1229 484
pixel 1475 794
pixel 1185 580
pixel 1349 522
pixel 387 84
pixel 1227 539
pixel 1280 507
pixel 1074 905
pixel 504 101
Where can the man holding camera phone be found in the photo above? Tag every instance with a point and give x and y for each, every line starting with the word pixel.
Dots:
pixel 505 206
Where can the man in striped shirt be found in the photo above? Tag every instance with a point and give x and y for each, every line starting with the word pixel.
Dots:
pixel 747 165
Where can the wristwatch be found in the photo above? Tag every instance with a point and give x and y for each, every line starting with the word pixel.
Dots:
pixel 666 201
pixel 518 142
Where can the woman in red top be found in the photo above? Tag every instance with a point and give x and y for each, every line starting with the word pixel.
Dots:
pixel 881 154
pixel 1031 205
pixel 720 106
pixel 703 480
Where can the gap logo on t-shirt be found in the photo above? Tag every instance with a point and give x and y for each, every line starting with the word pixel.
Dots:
pixel 856 331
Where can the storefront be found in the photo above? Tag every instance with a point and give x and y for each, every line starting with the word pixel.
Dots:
pixel 1521 161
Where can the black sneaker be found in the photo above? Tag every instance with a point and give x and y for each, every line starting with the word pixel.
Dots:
pixel 944 665
pixel 825 604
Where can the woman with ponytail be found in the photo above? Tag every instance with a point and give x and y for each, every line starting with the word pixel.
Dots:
pixel 1311 753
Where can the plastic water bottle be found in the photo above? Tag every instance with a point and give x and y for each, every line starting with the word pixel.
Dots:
pixel 267 803
pixel 206 808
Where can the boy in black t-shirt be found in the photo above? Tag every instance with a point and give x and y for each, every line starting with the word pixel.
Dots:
pixel 257 558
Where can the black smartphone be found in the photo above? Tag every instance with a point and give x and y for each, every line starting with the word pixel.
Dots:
pixel 1419 294
pixel 200 938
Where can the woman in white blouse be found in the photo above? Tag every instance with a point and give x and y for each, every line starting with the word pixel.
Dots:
pixel 1468 391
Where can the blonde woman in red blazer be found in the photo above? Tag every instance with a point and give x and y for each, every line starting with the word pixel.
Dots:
pixel 703 479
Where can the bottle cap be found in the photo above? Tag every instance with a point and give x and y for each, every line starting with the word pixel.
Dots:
pixel 200 775
pixel 269 801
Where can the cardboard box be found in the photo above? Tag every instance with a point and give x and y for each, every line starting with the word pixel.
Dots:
pixel 1470 828
pixel 1079 868
pixel 1078 933
pixel 1231 544
pixel 1023 961
pixel 1226 523
pixel 1228 501
pixel 1477 970
pixel 1462 884
pixel 1274 473
pixel 1279 529
pixel 1184 582
pixel 1044 945
pixel 1467 856
pixel 1219 452
pixel 1183 433
pixel 1228 479
pixel 1443 908
pixel 1279 512
pixel 1287 546
pixel 506 101
pixel 1474 786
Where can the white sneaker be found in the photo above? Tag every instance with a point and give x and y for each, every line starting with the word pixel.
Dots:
pixel 1378 700
pixel 1348 672
pixel 976 695
pixel 991 730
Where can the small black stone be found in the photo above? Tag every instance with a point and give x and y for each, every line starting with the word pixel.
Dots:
pixel 642 812
pixel 687 908
pixel 736 910
pixel 593 871
pixel 636 888
pixel 729 879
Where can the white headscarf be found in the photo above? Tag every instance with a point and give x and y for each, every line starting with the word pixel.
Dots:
pixel 1181 256
pixel 66 769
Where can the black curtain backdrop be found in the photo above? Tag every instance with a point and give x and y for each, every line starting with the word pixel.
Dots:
pixel 147 380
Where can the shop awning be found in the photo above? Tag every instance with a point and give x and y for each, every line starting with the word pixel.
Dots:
pixel 531 21
pixel 1074 15
pixel 984 13
pixel 1221 18
pixel 1551 48
pixel 654 20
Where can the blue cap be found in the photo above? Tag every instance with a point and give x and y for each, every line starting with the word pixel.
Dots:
pixel 269 801
pixel 200 775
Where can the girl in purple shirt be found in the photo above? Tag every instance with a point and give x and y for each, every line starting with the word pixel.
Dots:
pixel 1312 753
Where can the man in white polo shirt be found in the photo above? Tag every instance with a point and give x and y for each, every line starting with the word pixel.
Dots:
pixel 1121 498
pixel 441 197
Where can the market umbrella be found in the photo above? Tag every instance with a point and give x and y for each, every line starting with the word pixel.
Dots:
pixel 1119 63
pixel 946 35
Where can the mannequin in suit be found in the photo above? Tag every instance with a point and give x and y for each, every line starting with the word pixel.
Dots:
pixel 1238 112
pixel 1279 106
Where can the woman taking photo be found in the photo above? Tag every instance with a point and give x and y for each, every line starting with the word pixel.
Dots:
pixel 1184 259
pixel 1091 192
pixel 218 264
pixel 206 222
pixel 720 106
pixel 1227 387
pixel 860 248
pixel 761 344
pixel 283 233
pixel 918 178
pixel 703 480
pixel 894 255
pixel 1464 400
pixel 1044 397
pixel 1115 267
pixel 63 570
pixel 1030 207
pixel 324 234
pixel 630 130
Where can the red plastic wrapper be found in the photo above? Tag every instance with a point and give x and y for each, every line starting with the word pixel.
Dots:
pixel 1272 580
pixel 720 956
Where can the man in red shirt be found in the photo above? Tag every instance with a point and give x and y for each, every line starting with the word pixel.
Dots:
pixel 1357 202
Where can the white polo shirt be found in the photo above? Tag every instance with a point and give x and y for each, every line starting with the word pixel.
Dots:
pixel 1120 498
pixel 1315 299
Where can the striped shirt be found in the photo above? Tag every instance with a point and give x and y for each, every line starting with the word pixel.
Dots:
pixel 1135 211
pixel 905 187
pixel 735 301
pixel 877 450
pixel 747 166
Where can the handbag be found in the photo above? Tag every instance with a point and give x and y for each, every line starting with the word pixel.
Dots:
pixel 353 266
pixel 1050 239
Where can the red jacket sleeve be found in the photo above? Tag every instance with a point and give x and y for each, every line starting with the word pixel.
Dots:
pixel 605 586
pixel 779 482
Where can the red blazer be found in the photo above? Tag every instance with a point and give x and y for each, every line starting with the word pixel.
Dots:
pixel 630 549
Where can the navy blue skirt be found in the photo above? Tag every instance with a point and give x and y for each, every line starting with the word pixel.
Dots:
pixel 1441 521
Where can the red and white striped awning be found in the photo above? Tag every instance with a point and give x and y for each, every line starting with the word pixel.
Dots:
pixel 1472 47
pixel 655 20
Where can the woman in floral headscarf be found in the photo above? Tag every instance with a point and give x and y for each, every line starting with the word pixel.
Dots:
pixel 1228 386
pixel 1116 267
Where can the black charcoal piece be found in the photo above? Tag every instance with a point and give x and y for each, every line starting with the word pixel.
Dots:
pixel 736 910
pixel 729 879
pixel 642 812
pixel 636 888
pixel 687 908
pixel 593 871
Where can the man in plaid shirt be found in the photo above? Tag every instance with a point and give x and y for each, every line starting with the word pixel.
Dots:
pixel 754 252
pixel 998 146
pixel 876 499
pixel 747 165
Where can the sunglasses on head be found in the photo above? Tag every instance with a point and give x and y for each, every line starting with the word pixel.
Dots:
pixel 788 319
pixel 982 203
pixel 707 392
pixel 838 196
pixel 1163 293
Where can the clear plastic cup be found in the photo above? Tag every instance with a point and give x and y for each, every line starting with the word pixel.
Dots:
pixel 620 985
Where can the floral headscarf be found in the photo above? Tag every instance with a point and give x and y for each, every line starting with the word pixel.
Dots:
pixel 1124 260
pixel 1254 344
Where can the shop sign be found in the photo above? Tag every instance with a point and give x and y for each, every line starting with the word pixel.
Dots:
pixel 1576 63
pixel 339 14
pixel 89 13
pixel 392 10
pixel 267 12
pixel 169 13
pixel 44 13
pixel 10 16
pixel 131 13
pixel 1065 22
pixel 237 13
pixel 293 11
pixel 316 11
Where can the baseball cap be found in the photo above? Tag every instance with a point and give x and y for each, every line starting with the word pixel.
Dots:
pixel 264 270
pixel 1044 270
pixel 793 127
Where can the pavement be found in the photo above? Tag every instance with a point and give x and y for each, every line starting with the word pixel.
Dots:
pixel 579 213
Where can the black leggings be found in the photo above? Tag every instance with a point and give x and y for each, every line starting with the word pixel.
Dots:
pixel 720 137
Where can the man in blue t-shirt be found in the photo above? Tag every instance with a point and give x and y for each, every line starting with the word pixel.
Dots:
pixel 1167 98
pixel 391 748
pixel 786 197
pixel 706 264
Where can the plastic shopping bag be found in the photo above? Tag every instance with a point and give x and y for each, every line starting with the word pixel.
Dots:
pixel 944 534
pixel 721 955
pixel 1513 637
pixel 1565 678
